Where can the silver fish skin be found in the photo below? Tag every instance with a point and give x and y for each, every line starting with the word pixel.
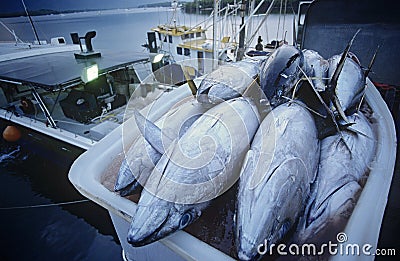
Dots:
pixel 280 73
pixel 317 68
pixel 141 157
pixel 351 82
pixel 340 177
pixel 201 165
pixel 275 178
pixel 228 81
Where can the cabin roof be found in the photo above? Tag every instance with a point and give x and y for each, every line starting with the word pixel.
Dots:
pixel 198 44
pixel 57 70
pixel 178 30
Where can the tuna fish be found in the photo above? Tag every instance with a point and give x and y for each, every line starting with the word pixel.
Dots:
pixel 316 67
pixel 228 81
pixel 340 179
pixel 275 178
pixel 280 73
pixel 201 165
pixel 350 83
pixel 141 157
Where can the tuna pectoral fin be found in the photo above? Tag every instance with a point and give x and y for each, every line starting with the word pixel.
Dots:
pixel 131 189
pixel 153 134
pixel 248 169
pixel 339 108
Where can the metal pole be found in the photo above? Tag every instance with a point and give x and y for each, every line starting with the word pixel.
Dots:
pixel 215 49
pixel 242 32
pixel 30 20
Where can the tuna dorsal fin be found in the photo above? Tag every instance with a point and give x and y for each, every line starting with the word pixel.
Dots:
pixel 372 61
pixel 152 133
pixel 340 65
pixel 366 73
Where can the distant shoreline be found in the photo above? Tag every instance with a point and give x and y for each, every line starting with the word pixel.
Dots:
pixel 44 12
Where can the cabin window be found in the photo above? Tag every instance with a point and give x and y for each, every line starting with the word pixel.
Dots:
pixel 165 39
pixel 179 50
pixel 192 35
pixel 198 34
pixel 170 38
pixel 159 36
pixel 187 52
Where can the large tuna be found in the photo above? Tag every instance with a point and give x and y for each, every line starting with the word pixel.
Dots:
pixel 141 157
pixel 228 81
pixel 280 73
pixel 201 165
pixel 275 179
pixel 342 170
pixel 350 83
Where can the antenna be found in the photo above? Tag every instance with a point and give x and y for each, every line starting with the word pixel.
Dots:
pixel 30 20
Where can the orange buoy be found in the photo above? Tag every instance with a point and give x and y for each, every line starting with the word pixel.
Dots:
pixel 11 133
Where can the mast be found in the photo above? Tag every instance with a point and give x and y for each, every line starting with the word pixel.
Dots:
pixel 242 34
pixel 215 48
pixel 30 20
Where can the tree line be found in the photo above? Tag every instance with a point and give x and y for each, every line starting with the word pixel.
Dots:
pixel 208 5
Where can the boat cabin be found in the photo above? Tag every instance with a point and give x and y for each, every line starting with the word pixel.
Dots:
pixel 188 45
pixel 67 93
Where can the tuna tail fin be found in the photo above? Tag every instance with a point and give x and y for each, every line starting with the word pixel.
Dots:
pixel 152 133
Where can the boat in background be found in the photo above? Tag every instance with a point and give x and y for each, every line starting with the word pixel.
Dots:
pixel 70 93
pixel 101 162
pixel 193 47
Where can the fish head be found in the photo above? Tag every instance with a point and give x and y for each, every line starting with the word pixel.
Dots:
pixel 156 218
pixel 225 83
pixel 280 72
pixel 208 86
pixel 255 236
pixel 268 210
pixel 350 83
pixel 316 67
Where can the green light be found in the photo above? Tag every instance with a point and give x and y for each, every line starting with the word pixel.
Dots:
pixel 90 73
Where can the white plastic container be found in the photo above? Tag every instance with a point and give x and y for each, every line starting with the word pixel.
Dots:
pixel 363 226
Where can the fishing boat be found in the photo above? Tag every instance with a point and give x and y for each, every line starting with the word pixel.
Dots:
pixel 211 42
pixel 94 172
pixel 67 92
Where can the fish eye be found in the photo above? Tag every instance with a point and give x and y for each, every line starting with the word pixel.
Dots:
pixel 185 220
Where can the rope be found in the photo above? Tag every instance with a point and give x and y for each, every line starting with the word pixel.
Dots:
pixel 47 205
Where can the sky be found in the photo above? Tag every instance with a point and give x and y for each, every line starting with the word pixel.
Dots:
pixel 8 6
